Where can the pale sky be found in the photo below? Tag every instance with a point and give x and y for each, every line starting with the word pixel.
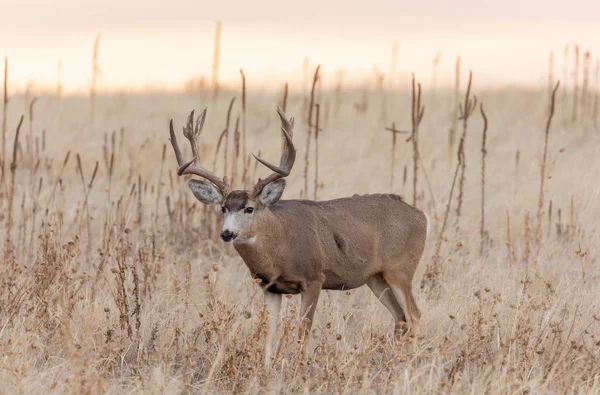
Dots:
pixel 164 43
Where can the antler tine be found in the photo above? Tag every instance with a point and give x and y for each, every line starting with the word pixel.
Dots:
pixel 191 134
pixel 285 124
pixel 175 145
pixel 288 155
pixel 193 167
pixel 200 122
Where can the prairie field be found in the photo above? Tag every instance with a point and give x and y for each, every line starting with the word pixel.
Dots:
pixel 114 281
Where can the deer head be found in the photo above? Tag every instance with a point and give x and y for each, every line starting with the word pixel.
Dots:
pixel 239 207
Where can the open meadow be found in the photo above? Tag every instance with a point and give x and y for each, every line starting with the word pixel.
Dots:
pixel 114 281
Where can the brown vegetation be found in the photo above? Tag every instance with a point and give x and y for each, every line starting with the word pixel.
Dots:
pixel 112 279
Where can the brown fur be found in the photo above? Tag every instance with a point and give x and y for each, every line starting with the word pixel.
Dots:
pixel 236 200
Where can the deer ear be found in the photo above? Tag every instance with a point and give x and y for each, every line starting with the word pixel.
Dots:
pixel 272 192
pixel 206 192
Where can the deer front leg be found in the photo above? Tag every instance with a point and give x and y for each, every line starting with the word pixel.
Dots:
pixel 310 298
pixel 273 302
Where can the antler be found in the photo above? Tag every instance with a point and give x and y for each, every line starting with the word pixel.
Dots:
pixel 288 155
pixel 194 167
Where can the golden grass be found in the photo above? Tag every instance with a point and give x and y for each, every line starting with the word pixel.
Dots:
pixel 112 281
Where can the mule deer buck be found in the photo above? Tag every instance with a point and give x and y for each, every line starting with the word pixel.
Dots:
pixel 303 246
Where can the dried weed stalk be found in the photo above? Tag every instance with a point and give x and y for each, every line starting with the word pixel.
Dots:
pixel 455 113
pixel 483 155
pixel 417 112
pixel 317 186
pixel 236 150
pixel 11 191
pixel 540 208
pixel 466 110
pixel 29 147
pixel 432 272
pixel 310 126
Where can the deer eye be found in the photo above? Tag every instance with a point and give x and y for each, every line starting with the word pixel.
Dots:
pixel 249 210
pixel 223 209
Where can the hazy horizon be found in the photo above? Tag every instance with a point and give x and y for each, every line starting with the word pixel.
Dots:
pixel 149 44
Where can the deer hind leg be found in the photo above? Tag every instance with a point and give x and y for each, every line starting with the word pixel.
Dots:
pixel 273 302
pixel 383 292
pixel 401 287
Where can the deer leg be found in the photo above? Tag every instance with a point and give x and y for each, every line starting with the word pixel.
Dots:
pixel 402 289
pixel 384 293
pixel 310 298
pixel 273 302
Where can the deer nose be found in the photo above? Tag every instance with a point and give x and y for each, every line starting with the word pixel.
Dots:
pixel 227 235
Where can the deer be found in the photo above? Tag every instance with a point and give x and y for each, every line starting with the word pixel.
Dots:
pixel 304 246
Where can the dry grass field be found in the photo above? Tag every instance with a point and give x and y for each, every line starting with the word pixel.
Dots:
pixel 113 279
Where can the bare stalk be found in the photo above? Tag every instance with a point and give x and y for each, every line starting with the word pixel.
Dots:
pixel 417 112
pixel 226 134
pixel 404 179
pixel 452 136
pixel 58 178
pixel 483 154
pixel 30 137
pixel 305 71
pixel 236 148
pixel 310 125
pixel 159 182
pixel 549 217
pixel 86 193
pixel 572 218
pixel 35 210
pixel 466 110
pixel 393 161
pixel 538 230
pixel 432 271
pixel 13 171
pixel 140 199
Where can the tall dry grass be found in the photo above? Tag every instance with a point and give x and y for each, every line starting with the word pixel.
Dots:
pixel 112 280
